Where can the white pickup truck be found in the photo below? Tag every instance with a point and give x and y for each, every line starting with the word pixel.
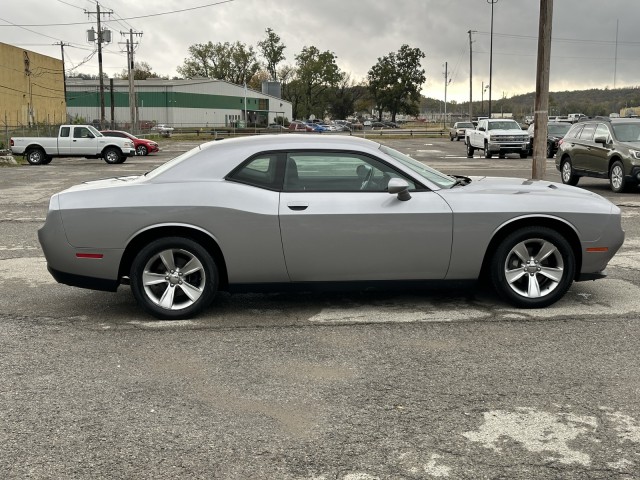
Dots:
pixel 497 136
pixel 73 141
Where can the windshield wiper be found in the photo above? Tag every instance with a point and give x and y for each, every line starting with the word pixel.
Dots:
pixel 460 180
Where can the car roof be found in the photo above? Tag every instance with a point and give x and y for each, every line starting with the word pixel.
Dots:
pixel 221 156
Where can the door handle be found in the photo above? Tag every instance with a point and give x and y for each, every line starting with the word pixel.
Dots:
pixel 297 206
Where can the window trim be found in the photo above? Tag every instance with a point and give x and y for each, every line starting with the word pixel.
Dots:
pixel 282 159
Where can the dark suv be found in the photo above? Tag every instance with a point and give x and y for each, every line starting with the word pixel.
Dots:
pixel 602 148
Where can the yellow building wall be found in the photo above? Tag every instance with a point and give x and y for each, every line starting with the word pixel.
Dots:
pixel 30 83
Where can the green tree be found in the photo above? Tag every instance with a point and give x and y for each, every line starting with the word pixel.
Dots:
pixel 231 62
pixel 316 72
pixel 142 72
pixel 344 97
pixel 272 51
pixel 395 81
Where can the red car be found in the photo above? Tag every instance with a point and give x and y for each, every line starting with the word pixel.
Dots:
pixel 143 146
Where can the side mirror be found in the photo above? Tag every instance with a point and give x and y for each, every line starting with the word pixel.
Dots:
pixel 481 129
pixel 400 187
pixel 602 140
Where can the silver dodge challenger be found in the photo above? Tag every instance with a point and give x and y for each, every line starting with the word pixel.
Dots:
pixel 274 212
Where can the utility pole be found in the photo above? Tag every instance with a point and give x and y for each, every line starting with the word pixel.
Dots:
pixel 103 36
pixel 446 83
pixel 131 73
pixel 492 2
pixel 541 114
pixel 64 75
pixel 470 75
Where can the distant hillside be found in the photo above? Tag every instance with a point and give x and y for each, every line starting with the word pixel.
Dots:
pixel 590 102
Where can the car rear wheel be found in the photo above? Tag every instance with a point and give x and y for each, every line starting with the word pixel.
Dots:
pixel 142 150
pixel 567 174
pixel 470 149
pixel 617 179
pixel 35 156
pixel 524 154
pixel 533 267
pixel 112 156
pixel 174 278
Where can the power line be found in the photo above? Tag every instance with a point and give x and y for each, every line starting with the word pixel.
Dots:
pixel 124 19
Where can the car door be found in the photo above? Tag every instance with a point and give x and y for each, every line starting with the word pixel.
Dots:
pixel 83 142
pixel 338 223
pixel 583 150
pixel 64 141
pixel 599 153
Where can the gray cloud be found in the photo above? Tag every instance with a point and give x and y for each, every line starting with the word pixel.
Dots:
pixel 360 31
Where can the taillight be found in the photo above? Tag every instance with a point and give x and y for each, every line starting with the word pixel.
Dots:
pixel 12 142
pixel 560 142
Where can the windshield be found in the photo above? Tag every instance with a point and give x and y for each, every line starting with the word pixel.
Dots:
pixel 95 132
pixel 627 132
pixel 465 125
pixel 503 126
pixel 439 178
pixel 561 129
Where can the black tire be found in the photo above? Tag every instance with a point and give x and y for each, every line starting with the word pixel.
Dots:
pixel 183 295
pixel 550 151
pixel 567 174
pixel 487 153
pixel 524 154
pixel 35 156
pixel 542 280
pixel 457 138
pixel 142 150
pixel 501 155
pixel 470 149
pixel 112 155
pixel 47 160
pixel 450 137
pixel 617 180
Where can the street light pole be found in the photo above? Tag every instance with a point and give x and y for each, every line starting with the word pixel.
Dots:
pixel 492 2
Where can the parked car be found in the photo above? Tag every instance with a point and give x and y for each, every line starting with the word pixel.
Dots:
pixel 142 145
pixel 457 131
pixel 163 129
pixel 315 127
pixel 298 126
pixel 274 128
pixel 379 126
pixel 298 211
pixel 603 149
pixel 555 132
pixel 73 141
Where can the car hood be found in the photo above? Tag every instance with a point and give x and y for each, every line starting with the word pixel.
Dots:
pixel 552 195
pixel 483 184
pixel 507 132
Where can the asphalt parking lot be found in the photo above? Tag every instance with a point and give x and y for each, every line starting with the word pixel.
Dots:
pixel 357 386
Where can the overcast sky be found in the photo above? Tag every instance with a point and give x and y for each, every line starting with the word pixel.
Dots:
pixel 584 49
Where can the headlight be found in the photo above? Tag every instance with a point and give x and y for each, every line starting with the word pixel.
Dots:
pixel 635 154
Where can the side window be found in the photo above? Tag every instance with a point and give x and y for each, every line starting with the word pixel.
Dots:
pixel 260 172
pixel 64 132
pixel 81 132
pixel 587 132
pixel 337 172
pixel 574 132
pixel 602 131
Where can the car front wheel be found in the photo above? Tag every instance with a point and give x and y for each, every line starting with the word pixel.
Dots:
pixel 617 179
pixel 533 267
pixel 112 156
pixel 567 174
pixel 470 149
pixel 174 278
pixel 142 150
